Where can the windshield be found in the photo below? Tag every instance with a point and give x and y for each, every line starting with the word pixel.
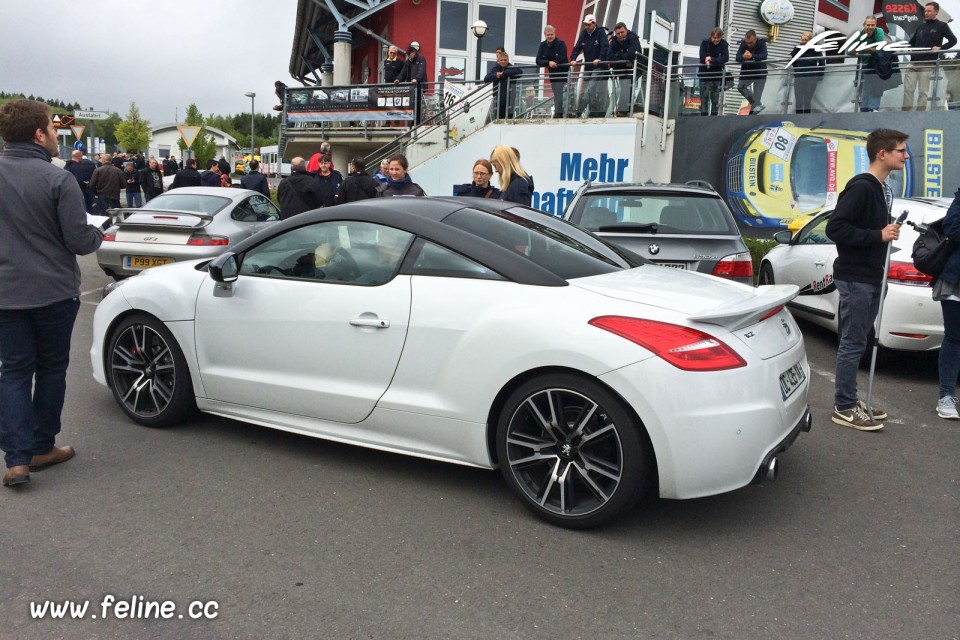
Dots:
pixel 551 243
pixel 188 202
pixel 683 213
pixel 808 173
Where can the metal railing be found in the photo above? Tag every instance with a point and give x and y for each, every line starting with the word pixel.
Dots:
pixel 647 87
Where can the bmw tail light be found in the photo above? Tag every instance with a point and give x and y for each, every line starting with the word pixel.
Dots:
pixel 109 237
pixel 200 240
pixel 737 265
pixel 906 273
pixel 683 347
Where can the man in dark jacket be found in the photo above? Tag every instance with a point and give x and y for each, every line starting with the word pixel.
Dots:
pixel 932 34
pixel 210 177
pixel 224 166
pixel 299 192
pixel 393 65
pixel 255 180
pixel 595 47
pixel 42 230
pixel 552 56
pixel 151 180
pixel 414 70
pixel 188 176
pixel 624 52
pixel 503 76
pixel 752 56
pixel 107 182
pixel 170 166
pixel 714 55
pixel 861 228
pixel 358 185
pixel 82 169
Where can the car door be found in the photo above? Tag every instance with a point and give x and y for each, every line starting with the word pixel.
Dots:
pixel 809 265
pixel 313 326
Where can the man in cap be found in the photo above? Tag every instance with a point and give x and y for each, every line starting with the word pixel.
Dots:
pixel 414 70
pixel 595 47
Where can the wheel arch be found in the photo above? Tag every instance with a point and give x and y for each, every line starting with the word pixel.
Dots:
pixel 501 398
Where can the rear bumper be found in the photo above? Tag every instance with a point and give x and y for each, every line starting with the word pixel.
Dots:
pixel 802 425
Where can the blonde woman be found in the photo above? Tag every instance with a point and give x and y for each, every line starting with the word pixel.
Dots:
pixel 515 183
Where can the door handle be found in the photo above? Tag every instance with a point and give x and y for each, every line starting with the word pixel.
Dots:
pixel 820 263
pixel 370 322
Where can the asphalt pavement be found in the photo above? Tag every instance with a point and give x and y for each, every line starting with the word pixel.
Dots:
pixel 252 533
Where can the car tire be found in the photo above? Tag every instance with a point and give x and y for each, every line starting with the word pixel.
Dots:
pixel 766 274
pixel 148 374
pixel 572 451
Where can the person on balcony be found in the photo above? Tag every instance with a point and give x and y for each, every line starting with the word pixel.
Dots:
pixel 871 86
pixel 415 71
pixel 807 71
pixel 752 56
pixel 933 34
pixel 502 76
pixel 552 56
pixel 624 52
pixel 595 47
pixel 714 55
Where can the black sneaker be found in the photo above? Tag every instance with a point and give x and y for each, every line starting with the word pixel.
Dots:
pixel 855 418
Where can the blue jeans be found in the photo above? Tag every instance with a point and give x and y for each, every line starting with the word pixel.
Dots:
pixel 34 354
pixel 134 199
pixel 859 304
pixel 950 350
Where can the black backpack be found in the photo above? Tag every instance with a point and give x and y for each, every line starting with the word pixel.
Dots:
pixel 932 249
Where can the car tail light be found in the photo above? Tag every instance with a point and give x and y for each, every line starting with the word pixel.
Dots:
pixel 906 273
pixel 683 347
pixel 109 237
pixel 198 240
pixel 737 265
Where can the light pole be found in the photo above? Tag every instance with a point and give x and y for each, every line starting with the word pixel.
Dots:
pixel 479 29
pixel 251 95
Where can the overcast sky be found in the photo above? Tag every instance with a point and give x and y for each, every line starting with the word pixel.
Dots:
pixel 161 54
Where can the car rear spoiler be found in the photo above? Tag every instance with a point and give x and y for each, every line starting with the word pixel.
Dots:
pixel 160 217
pixel 745 312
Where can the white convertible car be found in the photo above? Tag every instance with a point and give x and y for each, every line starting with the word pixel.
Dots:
pixel 475 332
pixel 911 320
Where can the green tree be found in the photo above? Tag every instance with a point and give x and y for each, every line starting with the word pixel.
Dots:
pixel 204 147
pixel 133 133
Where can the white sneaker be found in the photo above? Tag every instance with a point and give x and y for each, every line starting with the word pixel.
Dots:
pixel 947 408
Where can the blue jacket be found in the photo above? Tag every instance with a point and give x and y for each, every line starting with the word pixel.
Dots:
pixel 625 53
pixel 593 45
pixel 257 182
pixel 555 51
pixel 756 66
pixel 719 55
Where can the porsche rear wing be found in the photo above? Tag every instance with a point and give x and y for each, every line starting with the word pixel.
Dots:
pixel 132 217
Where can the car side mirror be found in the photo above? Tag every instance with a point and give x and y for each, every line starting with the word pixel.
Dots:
pixel 783 237
pixel 225 267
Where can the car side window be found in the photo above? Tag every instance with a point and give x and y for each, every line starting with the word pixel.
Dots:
pixel 815 233
pixel 344 252
pixel 255 209
pixel 437 261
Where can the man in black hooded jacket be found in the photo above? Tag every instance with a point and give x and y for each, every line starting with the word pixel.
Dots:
pixel 358 185
pixel 299 192
pixel 861 228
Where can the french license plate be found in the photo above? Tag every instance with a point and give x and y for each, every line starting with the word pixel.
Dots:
pixel 144 262
pixel 791 379
pixel 673 265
